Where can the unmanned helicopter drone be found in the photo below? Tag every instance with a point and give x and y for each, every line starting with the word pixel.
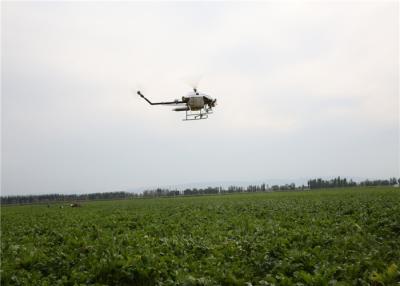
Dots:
pixel 196 105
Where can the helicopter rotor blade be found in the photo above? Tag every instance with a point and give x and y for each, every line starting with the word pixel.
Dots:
pixel 193 81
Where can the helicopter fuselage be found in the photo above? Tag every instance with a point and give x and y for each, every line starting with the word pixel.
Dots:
pixel 197 101
pixel 194 102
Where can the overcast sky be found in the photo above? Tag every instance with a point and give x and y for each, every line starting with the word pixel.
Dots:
pixel 304 90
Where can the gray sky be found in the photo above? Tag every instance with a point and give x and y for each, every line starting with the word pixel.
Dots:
pixel 304 90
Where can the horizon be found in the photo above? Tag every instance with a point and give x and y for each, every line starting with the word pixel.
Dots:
pixel 299 182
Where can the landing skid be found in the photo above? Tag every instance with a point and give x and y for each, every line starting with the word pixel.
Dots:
pixel 200 115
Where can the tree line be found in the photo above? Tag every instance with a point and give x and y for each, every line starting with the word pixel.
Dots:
pixel 160 192
pixel 343 182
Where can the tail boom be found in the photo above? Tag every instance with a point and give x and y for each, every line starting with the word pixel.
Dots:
pixel 158 103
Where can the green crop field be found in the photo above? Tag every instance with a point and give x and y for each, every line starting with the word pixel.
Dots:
pixel 327 237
